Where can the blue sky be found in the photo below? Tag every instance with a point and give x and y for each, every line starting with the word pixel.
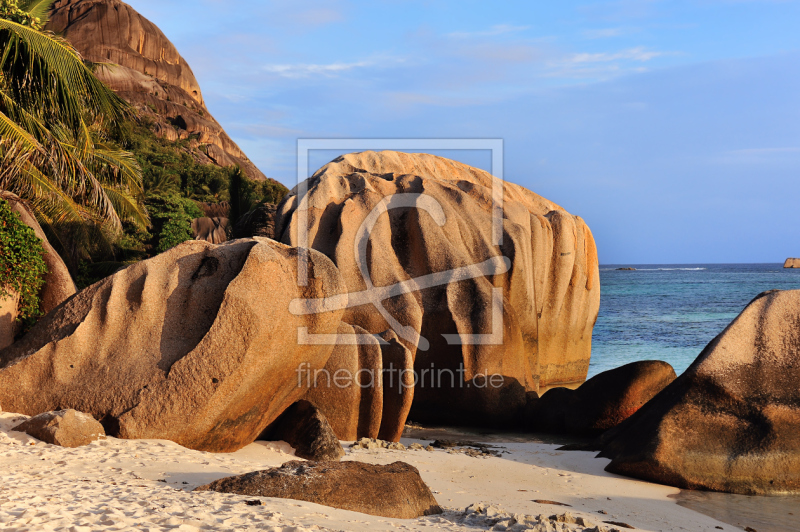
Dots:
pixel 671 127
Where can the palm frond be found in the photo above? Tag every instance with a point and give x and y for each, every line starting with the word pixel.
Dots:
pixel 38 8
pixel 44 71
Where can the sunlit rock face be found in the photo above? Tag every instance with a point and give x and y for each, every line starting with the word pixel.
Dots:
pixel 196 345
pixel 523 310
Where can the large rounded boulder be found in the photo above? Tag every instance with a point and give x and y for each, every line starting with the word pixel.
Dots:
pixel 731 422
pixel 414 238
pixel 602 402
pixel 196 345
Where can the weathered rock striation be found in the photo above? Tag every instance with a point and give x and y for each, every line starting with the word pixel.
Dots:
pixel 67 428
pixel 212 230
pixel 196 345
pixel 602 402
pixel 395 490
pixel 148 72
pixel 731 422
pixel 58 284
pixel 792 263
pixel 534 299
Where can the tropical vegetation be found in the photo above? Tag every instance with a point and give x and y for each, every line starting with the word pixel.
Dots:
pixel 22 266
pixel 54 147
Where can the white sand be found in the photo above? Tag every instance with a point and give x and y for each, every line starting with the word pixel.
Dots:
pixel 146 485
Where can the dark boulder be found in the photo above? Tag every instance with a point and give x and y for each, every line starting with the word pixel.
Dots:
pixel 602 402
pixel 212 230
pixel 260 221
pixel 305 428
pixel 731 422
pixel 395 490
pixel 67 428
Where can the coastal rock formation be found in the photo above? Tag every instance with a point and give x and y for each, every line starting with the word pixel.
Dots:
pixel 212 230
pixel 58 284
pixel 352 399
pixel 533 300
pixel 792 263
pixel 66 428
pixel 258 222
pixel 148 72
pixel 305 428
pixel 395 490
pixel 196 345
pixel 602 402
pixel 731 422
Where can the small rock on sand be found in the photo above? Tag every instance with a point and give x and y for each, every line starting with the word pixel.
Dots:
pixel 67 428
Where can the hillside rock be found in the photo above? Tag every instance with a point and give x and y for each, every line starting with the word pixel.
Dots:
pixel 58 284
pixel 535 299
pixel 196 345
pixel 66 428
pixel 212 230
pixel 792 263
pixel 395 490
pixel 731 422
pixel 602 402
pixel 148 72
pixel 305 428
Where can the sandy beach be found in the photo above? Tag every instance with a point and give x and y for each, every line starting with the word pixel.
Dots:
pixel 146 485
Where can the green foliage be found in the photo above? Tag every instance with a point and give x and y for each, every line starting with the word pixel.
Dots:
pixel 273 192
pixel 171 218
pixel 22 266
pixel 11 10
pixel 242 192
pixel 168 168
pixel 39 9
pixel 54 152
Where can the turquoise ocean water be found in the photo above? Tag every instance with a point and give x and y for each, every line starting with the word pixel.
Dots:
pixel 670 312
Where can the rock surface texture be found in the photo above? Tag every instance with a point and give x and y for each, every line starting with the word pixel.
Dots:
pixel 395 490
pixel 731 422
pixel 305 428
pixel 196 345
pixel 792 263
pixel 533 300
pixel 148 72
pixel 58 284
pixel 212 230
pixel 67 428
pixel 602 402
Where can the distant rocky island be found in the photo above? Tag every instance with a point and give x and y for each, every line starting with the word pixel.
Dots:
pixel 626 269
pixel 792 263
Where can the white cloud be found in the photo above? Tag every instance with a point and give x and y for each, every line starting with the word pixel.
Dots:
pixel 632 54
pixel 306 70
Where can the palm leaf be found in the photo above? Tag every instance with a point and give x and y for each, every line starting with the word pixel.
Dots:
pixel 38 8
